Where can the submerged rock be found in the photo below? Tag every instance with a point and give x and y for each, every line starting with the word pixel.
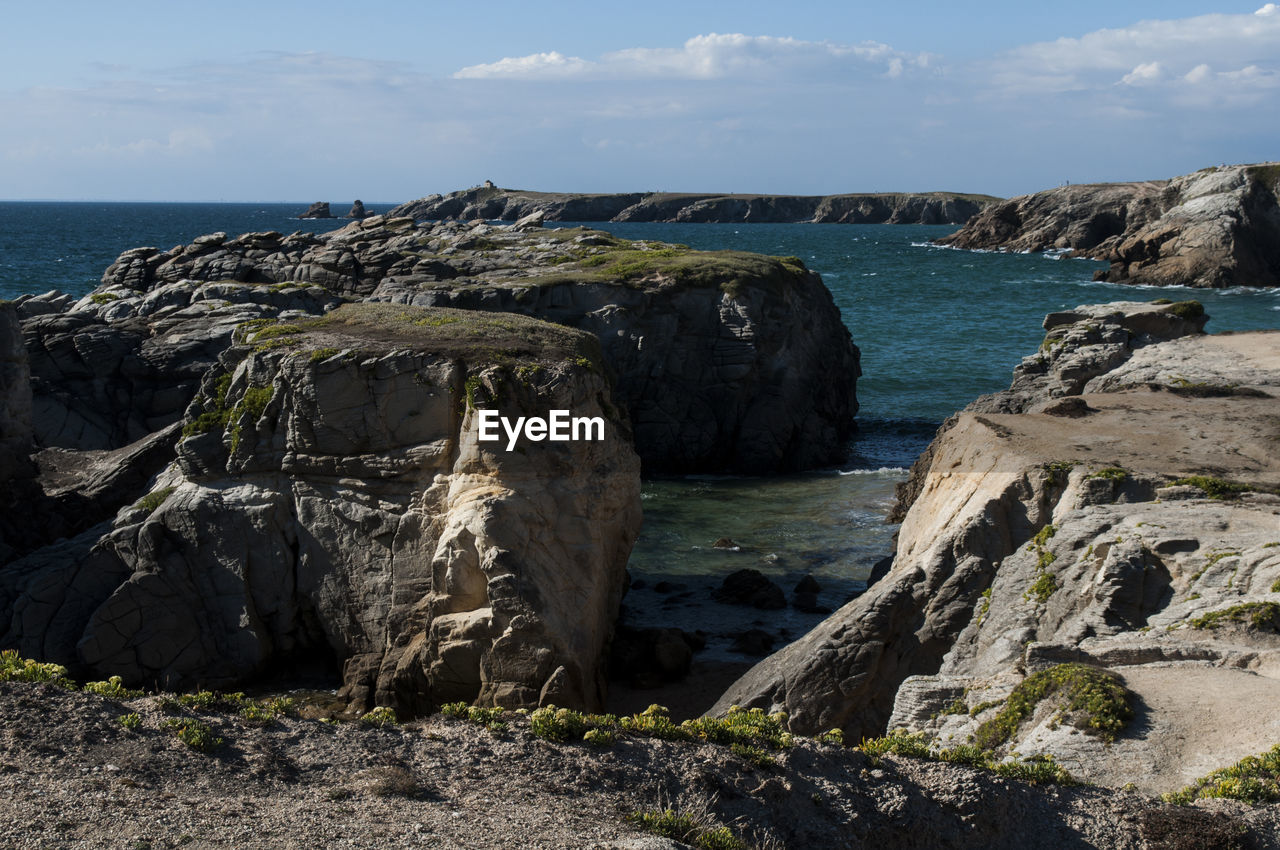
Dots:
pixel 750 587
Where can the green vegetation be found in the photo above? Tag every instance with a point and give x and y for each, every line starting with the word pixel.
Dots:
pixel 1044 584
pixel 1058 471
pixel 1037 770
pixel 1264 616
pixel 131 721
pixel 103 297
pixel 1275 586
pixel 1162 301
pixel 380 717
pixel 252 404
pixel 1214 488
pixel 194 733
pixel 1111 473
pixel 1186 309
pixel 154 499
pixel 215 414
pixel 113 688
pixel 983 706
pixel 1253 780
pixel 832 736
pixel 687 829
pixel 984 605
pixel 14 668
pixel 1268 175
pixel 490 718
pixel 321 354
pixel 956 706
pixel 1091 698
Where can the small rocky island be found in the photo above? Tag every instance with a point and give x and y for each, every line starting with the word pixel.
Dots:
pixel 493 203
pixel 1218 227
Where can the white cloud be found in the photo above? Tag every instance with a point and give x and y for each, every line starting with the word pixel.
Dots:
pixel 705 57
pixel 1142 53
pixel 1198 74
pixel 1148 72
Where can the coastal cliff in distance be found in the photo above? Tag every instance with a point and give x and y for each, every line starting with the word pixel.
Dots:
pixel 493 203
pixel 1216 228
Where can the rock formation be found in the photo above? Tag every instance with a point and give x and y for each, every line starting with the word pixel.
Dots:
pixel 320 209
pixel 1218 227
pixel 358 211
pixel 332 498
pixel 15 399
pixel 1119 515
pixel 725 360
pixel 879 208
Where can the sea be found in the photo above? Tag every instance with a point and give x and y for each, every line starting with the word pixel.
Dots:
pixel 937 327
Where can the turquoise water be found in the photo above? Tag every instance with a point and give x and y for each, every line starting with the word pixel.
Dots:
pixel 936 327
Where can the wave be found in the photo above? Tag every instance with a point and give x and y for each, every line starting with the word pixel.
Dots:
pixel 1182 287
pixel 884 470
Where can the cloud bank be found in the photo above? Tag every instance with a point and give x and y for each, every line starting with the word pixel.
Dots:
pixel 717 112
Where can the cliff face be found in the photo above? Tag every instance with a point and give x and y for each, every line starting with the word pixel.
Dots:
pixel 332 498
pixel 878 208
pixel 1046 525
pixel 725 361
pixel 1218 227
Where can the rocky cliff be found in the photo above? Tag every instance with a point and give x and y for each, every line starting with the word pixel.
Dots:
pixel 332 499
pixel 1124 518
pixel 1218 227
pixel 724 360
pixel 876 208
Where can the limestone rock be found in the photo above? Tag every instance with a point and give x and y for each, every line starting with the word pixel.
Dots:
pixel 1034 539
pixel 1217 227
pixel 333 499
pixel 320 209
pixel 725 361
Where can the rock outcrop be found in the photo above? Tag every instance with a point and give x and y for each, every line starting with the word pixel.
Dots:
pixel 725 360
pixel 333 497
pixel 320 209
pixel 15 399
pixel 1120 518
pixel 877 208
pixel 358 211
pixel 1218 227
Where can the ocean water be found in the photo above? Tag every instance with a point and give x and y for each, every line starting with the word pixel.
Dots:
pixel 936 327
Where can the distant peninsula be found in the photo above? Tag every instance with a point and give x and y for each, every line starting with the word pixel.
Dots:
pixel 493 203
pixel 1218 227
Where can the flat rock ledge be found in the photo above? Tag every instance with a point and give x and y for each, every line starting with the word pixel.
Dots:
pixel 1136 533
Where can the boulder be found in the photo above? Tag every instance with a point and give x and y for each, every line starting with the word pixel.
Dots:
pixel 750 587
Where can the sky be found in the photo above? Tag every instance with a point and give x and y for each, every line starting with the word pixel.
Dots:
pixel 319 100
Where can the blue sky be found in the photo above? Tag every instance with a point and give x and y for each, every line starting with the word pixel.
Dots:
pixel 294 101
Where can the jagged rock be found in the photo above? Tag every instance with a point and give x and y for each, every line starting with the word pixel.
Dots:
pixel 490 203
pixel 333 497
pixel 53 301
pixel 15 400
pixel 972 586
pixel 725 361
pixel 532 221
pixel 320 209
pixel 1218 227
pixel 358 211
pixel 750 587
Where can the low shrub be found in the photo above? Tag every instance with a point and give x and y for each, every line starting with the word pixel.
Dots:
pixel 1092 698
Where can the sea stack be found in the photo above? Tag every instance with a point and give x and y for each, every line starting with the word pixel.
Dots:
pixel 320 209
pixel 358 211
